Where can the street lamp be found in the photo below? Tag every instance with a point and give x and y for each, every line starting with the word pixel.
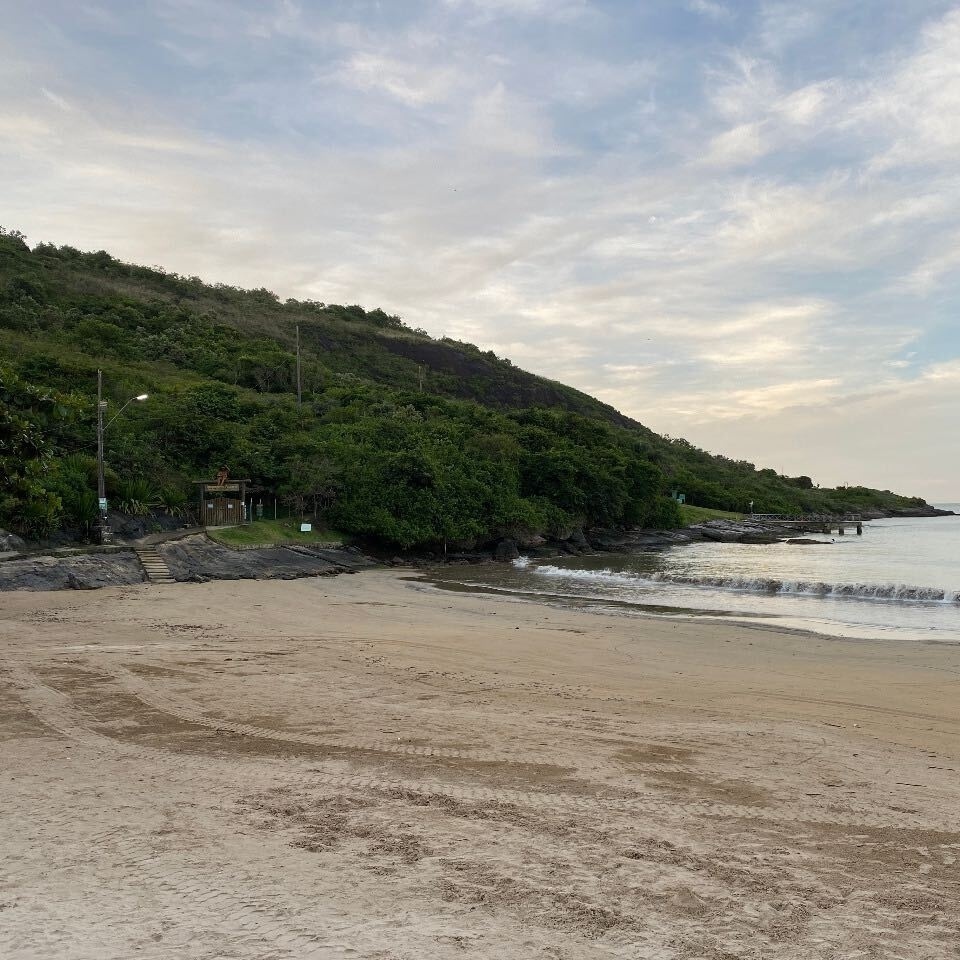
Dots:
pixel 101 430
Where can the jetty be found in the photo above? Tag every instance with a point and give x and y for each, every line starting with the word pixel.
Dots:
pixel 813 523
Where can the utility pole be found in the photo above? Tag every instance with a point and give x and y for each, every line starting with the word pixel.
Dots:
pixel 104 532
pixel 299 391
pixel 104 529
pixel 420 376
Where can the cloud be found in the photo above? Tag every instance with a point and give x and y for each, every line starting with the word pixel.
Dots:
pixel 737 146
pixel 732 243
pixel 56 100
pixel 712 9
pixel 783 24
pixel 918 108
pixel 412 84
pixel 559 10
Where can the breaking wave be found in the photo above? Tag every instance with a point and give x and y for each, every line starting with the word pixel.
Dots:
pixel 890 592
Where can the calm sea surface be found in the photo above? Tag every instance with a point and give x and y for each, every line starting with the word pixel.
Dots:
pixel 900 580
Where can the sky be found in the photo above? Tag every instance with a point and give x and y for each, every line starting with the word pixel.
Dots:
pixel 736 221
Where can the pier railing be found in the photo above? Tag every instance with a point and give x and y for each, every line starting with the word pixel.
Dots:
pixel 813 523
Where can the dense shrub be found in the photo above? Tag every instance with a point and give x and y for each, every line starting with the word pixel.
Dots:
pixel 403 438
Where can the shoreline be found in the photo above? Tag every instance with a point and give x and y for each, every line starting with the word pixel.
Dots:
pixel 399 583
pixel 844 609
pixel 367 765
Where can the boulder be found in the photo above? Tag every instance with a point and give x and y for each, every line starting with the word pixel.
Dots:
pixel 578 540
pixel 719 535
pixel 505 550
pixel 531 541
pixel 759 538
pixel 10 541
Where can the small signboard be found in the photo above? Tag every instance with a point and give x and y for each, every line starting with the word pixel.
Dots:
pixel 306 527
pixel 103 503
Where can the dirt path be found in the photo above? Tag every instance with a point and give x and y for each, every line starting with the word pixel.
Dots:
pixel 365 767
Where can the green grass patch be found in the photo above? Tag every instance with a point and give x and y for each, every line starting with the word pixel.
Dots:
pixel 690 514
pixel 263 533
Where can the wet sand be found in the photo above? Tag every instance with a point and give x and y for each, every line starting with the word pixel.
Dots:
pixel 366 766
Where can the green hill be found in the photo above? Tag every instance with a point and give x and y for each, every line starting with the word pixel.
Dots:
pixel 401 437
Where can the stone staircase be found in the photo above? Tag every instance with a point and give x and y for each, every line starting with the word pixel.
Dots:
pixel 154 566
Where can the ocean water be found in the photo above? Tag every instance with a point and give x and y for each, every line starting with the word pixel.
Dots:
pixel 900 580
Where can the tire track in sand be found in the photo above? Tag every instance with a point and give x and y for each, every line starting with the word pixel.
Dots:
pixel 53 708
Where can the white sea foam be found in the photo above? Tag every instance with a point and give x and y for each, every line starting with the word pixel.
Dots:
pixel 891 592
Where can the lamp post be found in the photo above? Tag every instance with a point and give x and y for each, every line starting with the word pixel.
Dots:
pixel 101 430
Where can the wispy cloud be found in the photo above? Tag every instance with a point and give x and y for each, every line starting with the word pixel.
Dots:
pixel 712 9
pixel 731 222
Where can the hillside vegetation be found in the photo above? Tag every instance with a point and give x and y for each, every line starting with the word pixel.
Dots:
pixel 404 438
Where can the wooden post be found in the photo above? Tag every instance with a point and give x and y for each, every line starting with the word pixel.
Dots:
pixel 840 529
pixel 859 529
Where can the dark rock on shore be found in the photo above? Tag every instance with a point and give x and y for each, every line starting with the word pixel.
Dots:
pixel 197 559
pixel 629 541
pixel 86 572
pixel 578 541
pixel 506 550
pixel 10 542
pixel 744 531
pixel 192 559
pixel 924 511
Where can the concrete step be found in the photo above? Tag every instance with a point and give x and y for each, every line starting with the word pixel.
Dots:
pixel 154 566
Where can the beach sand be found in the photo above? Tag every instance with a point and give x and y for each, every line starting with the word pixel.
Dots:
pixel 367 766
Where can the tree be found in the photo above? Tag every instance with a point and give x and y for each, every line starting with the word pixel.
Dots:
pixel 27 418
pixel 314 483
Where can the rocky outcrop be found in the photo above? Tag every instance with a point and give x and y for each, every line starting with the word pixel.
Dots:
pixel 925 511
pixel 10 542
pixel 578 540
pixel 85 572
pixel 743 531
pixel 630 541
pixel 197 559
pixel 506 550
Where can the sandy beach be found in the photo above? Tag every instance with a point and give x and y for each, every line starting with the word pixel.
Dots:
pixel 368 766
